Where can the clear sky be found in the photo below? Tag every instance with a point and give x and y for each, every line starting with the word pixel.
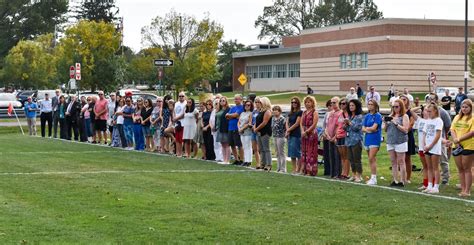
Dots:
pixel 238 16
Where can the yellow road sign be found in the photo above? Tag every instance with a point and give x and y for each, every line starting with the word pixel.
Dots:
pixel 242 79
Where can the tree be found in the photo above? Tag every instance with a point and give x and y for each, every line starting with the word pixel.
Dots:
pixel 141 67
pixel 26 19
pixel 94 45
pixel 190 42
pixel 30 64
pixel 224 61
pixel 288 18
pixel 97 11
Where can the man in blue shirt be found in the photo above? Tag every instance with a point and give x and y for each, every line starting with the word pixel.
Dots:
pixel 459 99
pixel 234 136
pixel 30 112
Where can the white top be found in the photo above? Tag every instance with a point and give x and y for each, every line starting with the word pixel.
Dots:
pixel 111 111
pixel 431 126
pixel 212 120
pixel 393 100
pixel 190 118
pixel 419 125
pixel 120 117
pixel 46 106
pixel 410 97
pixel 374 96
pixel 179 109
pixel 353 96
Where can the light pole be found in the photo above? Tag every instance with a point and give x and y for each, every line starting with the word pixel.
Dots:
pixel 466 33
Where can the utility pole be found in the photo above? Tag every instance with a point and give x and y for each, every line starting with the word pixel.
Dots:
pixel 466 33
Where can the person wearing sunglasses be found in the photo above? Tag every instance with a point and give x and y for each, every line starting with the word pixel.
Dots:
pixel 207 131
pixel 396 126
pixel 179 108
pixel 293 133
pixel 330 134
pixel 100 112
pixel 245 130
pixel 127 113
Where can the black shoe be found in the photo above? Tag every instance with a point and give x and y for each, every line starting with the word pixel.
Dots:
pixel 400 184
pixel 393 183
pixel 444 182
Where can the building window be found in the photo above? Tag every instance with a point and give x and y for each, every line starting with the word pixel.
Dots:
pixel 252 71
pixel 364 60
pixel 343 61
pixel 265 71
pixel 294 70
pixel 279 71
pixel 353 60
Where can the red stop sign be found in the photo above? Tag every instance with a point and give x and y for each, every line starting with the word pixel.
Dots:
pixel 72 72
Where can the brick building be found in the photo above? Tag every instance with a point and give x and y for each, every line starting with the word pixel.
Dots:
pixel 379 52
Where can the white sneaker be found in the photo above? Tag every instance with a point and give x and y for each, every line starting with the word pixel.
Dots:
pixel 427 190
pixel 372 182
pixel 421 187
pixel 434 191
pixel 351 179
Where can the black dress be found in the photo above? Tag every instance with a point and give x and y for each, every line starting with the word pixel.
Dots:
pixel 208 139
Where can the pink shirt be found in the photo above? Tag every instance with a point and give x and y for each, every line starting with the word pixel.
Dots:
pixel 331 126
pixel 101 105
pixel 340 132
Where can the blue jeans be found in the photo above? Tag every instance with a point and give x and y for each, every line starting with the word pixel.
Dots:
pixel 139 138
pixel 87 125
pixel 128 130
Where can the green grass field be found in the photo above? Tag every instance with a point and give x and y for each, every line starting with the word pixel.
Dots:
pixel 60 192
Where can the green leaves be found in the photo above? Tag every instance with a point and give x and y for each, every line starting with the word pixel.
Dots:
pixel 288 18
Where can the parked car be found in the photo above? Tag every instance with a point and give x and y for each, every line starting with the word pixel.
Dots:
pixel 7 98
pixel 441 92
pixel 470 94
pixel 22 96
pixel 145 96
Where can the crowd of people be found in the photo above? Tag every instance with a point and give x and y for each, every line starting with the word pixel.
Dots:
pixel 245 131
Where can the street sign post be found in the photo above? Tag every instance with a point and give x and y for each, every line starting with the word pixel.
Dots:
pixel 78 71
pixel 163 62
pixel 72 72
pixel 242 80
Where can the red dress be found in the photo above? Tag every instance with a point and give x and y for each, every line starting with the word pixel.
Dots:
pixel 309 145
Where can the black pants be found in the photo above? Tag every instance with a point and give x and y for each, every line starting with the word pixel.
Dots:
pixel 62 128
pixel 334 160
pixel 46 117
pixel 82 130
pixel 327 162
pixel 55 123
pixel 72 125
pixel 123 140
pixel 209 143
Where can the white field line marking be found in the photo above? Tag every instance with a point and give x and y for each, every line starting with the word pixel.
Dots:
pixel 128 172
pixel 319 178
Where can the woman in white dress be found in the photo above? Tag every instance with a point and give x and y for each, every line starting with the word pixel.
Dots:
pixel 189 125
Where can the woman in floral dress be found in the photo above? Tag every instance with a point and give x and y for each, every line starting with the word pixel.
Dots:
pixel 309 138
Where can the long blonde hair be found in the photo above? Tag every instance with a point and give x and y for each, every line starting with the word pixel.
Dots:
pixel 468 102
pixel 266 105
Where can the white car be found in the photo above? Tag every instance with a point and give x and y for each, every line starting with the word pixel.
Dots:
pixel 441 92
pixel 470 95
pixel 7 98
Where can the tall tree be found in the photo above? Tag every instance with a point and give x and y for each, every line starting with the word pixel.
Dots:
pixel 95 46
pixel 287 18
pixel 190 42
pixel 26 19
pixel 97 11
pixel 224 61
pixel 31 64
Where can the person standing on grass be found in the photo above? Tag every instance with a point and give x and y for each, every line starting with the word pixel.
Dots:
pixel 263 129
pixel 444 115
pixel 30 112
pixel 112 103
pixel 432 142
pixel 462 131
pixel 62 117
pixel 55 115
pixel 100 112
pixel 46 114
pixel 446 101
pixel 278 131
pixel 372 95
pixel 460 97
pixel 179 108
pixel 419 125
pixel 222 128
pixel 72 118
pixel 137 126
pixel 119 121
pixel 156 121
pixel 87 118
pixel 411 137
pixel 189 124
pixel 341 137
pixel 353 127
pixel 309 137
pixel 82 121
pixel 92 115
pixel 293 133
pixel 255 150
pixel 372 127
pixel 352 95
pixel 327 166
pixel 198 136
pixel 146 116
pixel 359 91
pixel 128 124
pixel 396 126
pixel 170 130
pixel 245 130
pixel 234 137
pixel 207 131
pixel 212 125
pixel 165 123
pixel 330 133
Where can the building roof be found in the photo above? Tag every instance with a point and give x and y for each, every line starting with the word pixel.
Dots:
pixel 265 52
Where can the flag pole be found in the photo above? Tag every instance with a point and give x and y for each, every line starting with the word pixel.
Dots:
pixel 18 120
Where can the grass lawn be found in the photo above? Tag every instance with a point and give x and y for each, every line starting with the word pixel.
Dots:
pixel 60 192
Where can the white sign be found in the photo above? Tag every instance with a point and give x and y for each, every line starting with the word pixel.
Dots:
pixel 72 84
pixel 78 71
